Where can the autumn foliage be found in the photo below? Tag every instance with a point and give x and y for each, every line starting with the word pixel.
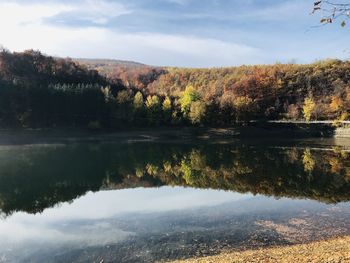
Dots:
pixel 41 91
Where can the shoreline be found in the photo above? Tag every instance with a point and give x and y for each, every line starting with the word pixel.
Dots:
pixel 251 131
pixel 332 250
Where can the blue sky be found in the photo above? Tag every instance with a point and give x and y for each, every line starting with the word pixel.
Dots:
pixel 187 33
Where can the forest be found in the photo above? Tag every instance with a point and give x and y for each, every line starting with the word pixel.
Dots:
pixel 39 91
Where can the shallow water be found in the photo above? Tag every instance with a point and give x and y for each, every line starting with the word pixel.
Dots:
pixel 134 201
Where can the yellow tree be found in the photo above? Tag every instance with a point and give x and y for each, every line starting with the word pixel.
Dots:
pixel 243 105
pixel 336 104
pixel 153 106
pixel 309 108
pixel 138 101
pixel 167 108
pixel 197 112
pixel 339 107
pixel 189 96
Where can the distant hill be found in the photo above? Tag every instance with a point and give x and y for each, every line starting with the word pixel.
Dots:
pixel 93 63
pixel 106 66
pixel 132 74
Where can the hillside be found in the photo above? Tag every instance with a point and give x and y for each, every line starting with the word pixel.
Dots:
pixel 318 91
pixel 106 67
pixel 39 90
pixel 132 74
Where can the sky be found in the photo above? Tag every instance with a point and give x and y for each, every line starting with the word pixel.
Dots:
pixel 184 33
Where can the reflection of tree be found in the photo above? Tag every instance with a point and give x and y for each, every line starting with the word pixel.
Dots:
pixel 139 172
pixel 292 155
pixel 191 167
pixel 188 173
pixel 197 160
pixel 336 165
pixel 269 172
pixel 308 161
pixel 152 169
pixel 33 179
pixel 167 167
pixel 347 173
pixel 240 169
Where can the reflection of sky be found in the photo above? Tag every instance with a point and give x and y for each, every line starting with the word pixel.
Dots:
pixel 105 205
pixel 110 203
pixel 102 218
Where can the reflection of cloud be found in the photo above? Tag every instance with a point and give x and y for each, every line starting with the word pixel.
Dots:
pixel 14 232
pixel 109 203
pixel 17 232
pixel 24 239
pixel 106 204
pixel 89 219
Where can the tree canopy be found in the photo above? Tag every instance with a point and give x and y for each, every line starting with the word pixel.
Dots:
pixel 41 91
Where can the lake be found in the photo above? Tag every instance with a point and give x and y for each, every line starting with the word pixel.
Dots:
pixel 157 200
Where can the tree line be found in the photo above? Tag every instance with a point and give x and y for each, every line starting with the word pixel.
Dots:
pixel 41 91
pixel 318 91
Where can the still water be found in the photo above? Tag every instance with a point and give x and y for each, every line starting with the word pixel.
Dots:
pixel 131 201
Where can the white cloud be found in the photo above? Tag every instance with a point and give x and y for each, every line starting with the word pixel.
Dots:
pixel 35 25
pixel 179 2
pixel 22 27
pixel 14 14
pixel 288 10
pixel 99 12
pixel 162 49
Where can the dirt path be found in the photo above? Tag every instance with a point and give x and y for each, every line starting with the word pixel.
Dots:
pixel 331 251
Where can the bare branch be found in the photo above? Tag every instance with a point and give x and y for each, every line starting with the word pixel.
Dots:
pixel 332 11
